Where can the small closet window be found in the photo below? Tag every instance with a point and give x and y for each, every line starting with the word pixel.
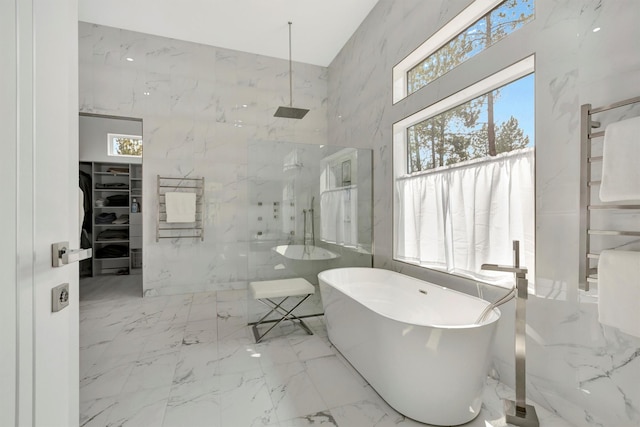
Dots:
pixel 120 145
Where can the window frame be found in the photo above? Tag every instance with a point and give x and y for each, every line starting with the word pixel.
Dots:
pixel 522 68
pixel 467 17
pixel 503 77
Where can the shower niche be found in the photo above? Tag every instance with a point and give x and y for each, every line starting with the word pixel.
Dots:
pixel 310 209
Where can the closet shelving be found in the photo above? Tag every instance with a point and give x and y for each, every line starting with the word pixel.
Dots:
pixel 117 238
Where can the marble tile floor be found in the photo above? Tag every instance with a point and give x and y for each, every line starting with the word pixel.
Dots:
pixel 191 361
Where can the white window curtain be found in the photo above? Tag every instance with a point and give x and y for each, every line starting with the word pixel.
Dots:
pixel 458 218
pixel 339 216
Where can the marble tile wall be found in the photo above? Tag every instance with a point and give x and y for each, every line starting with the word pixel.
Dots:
pixel 200 106
pixel 578 368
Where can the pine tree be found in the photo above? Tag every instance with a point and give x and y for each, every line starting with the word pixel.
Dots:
pixel 510 137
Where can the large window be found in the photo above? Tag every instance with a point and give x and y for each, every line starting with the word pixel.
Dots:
pixel 479 26
pixel 485 126
pixel 464 178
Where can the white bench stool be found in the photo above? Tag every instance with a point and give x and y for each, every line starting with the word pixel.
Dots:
pixel 266 290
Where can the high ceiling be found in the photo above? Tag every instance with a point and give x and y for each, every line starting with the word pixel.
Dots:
pixel 320 27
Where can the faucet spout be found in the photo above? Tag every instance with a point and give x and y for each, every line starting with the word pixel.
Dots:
pixel 504 268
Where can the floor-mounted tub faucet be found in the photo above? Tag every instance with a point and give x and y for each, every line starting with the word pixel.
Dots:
pixel 518 412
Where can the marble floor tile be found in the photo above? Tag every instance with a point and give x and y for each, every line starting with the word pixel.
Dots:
pixel 169 340
pixel 104 382
pixel 107 362
pixel 143 408
pixel 191 360
pixel 245 400
pixel 98 334
pixel 125 343
pixel 292 391
pixel 175 314
pixel 232 295
pixel 369 414
pixel 197 362
pixel 237 355
pixel 194 404
pixel 202 312
pixel 322 419
pixel 205 336
pixel 232 319
pixel 90 355
pixel 310 346
pixel 274 351
pixel 178 300
pixel 204 298
pixel 336 384
pixel 203 325
pixel 152 372
pixel 95 413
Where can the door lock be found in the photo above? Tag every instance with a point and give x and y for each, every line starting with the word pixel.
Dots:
pixel 59 297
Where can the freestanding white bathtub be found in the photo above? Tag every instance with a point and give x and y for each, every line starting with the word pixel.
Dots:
pixel 415 342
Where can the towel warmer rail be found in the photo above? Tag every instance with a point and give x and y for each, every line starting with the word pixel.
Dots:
pixel 588 272
pixel 165 230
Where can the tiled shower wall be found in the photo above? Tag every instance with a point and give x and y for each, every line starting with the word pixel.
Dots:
pixel 587 373
pixel 201 106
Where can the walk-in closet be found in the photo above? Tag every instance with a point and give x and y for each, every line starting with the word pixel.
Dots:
pixel 110 155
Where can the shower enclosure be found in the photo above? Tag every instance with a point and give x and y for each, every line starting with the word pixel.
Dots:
pixel 310 209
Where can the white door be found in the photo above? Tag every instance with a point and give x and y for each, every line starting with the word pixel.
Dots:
pixel 38 206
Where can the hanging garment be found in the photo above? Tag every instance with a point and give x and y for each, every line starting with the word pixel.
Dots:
pixel 85 185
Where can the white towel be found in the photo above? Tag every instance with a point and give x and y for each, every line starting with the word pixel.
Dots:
pixel 619 290
pixel 181 207
pixel 621 161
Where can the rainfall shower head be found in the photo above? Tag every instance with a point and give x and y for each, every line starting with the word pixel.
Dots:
pixel 290 112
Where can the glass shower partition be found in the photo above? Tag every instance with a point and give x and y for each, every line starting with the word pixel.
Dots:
pixel 310 209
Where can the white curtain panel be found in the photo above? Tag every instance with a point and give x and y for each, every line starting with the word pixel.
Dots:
pixel 339 216
pixel 458 218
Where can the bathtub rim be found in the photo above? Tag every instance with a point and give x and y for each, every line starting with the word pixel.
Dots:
pixel 492 319
pixel 331 255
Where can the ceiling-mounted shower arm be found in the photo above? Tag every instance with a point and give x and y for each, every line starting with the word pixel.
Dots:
pixel 290 112
pixel 290 70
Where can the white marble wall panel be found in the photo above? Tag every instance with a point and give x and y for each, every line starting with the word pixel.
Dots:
pixel 203 106
pixel 584 371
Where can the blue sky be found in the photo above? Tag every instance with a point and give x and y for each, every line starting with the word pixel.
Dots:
pixel 517 99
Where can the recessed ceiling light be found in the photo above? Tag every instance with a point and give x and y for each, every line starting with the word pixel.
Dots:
pixel 146 93
pixel 595 30
pixel 244 105
pixel 129 59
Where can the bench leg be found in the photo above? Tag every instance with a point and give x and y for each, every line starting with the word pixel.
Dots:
pixel 286 315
